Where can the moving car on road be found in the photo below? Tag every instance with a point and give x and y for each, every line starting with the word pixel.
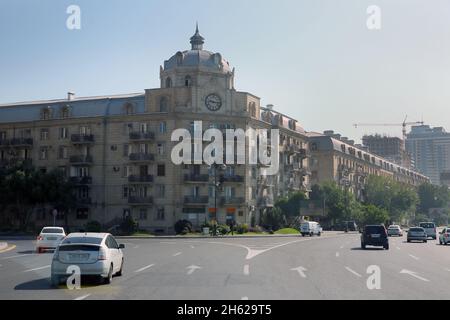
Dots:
pixel 417 234
pixel 96 254
pixel 311 229
pixel 49 238
pixel 444 236
pixel 395 230
pixel 374 235
pixel 430 229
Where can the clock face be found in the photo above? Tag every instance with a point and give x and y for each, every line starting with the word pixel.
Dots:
pixel 213 102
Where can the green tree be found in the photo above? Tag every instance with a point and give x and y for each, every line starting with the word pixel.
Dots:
pixel 373 215
pixel 432 196
pixel 290 206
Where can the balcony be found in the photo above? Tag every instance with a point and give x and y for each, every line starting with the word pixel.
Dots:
pixel 142 136
pixel 19 143
pixel 82 138
pixel 140 179
pixel 84 201
pixel 232 201
pixel 305 172
pixel 232 178
pixel 140 201
pixel 196 178
pixel 81 160
pixel 81 180
pixel 199 200
pixel 141 157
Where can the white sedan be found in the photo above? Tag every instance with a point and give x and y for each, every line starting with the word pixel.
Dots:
pixel 49 238
pixel 444 237
pixel 395 230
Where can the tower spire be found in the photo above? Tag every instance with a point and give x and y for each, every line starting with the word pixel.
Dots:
pixel 197 40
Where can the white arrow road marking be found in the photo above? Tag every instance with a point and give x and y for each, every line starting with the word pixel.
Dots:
pixel 247 270
pixel 36 269
pixel 414 257
pixel 82 297
pixel 414 274
pixel 144 268
pixel 192 269
pixel 354 272
pixel 301 271
pixel 177 254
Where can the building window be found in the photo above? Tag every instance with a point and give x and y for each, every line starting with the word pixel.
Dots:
pixel 65 112
pixel 125 192
pixel 161 191
pixel 126 150
pixel 143 214
pixel 82 214
pixel 163 104
pixel 162 127
pixel 188 81
pixel 129 109
pixel 45 134
pixel 160 214
pixel 2 135
pixel 127 171
pixel 160 148
pixel 46 113
pixel 168 82
pixel 62 152
pixel 85 130
pixel 63 133
pixel 161 170
pixel 43 153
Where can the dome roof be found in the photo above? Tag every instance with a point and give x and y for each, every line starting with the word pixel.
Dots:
pixel 198 58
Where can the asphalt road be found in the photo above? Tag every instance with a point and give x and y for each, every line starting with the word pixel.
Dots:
pixel 330 267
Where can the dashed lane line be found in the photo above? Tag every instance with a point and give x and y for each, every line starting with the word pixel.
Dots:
pixel 37 269
pixel 19 256
pixel 144 268
pixel 414 257
pixel 337 254
pixel 177 254
pixel 247 270
pixel 82 297
pixel 354 272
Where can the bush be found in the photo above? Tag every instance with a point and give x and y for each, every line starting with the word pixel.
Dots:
pixel 128 226
pixel 183 227
pixel 223 229
pixel 256 229
pixel 93 226
pixel 241 229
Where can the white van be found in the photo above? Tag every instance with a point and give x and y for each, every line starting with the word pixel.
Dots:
pixel 430 229
pixel 311 229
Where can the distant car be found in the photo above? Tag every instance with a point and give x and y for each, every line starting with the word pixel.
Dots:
pixel 417 234
pixel 49 238
pixel 444 236
pixel 96 254
pixel 310 229
pixel 395 230
pixel 352 226
pixel 430 229
pixel 374 235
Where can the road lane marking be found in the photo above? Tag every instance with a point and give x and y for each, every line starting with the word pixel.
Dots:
pixel 414 274
pixel 20 256
pixel 192 247
pixel 8 249
pixel 337 254
pixel 244 298
pixel 144 268
pixel 398 248
pixel 192 269
pixel 414 257
pixel 247 270
pixel 354 272
pixel 301 271
pixel 166 242
pixel 82 297
pixel 342 247
pixel 36 269
pixel 177 254
pixel 445 269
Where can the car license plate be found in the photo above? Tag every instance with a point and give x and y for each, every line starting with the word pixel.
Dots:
pixel 376 235
pixel 78 256
pixel 51 238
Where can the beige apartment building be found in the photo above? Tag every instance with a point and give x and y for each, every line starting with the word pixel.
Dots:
pixel 117 149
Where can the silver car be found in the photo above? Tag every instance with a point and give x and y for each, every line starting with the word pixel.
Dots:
pixel 417 234
pixel 96 254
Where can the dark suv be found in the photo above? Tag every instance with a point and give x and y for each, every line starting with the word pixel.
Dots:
pixel 375 235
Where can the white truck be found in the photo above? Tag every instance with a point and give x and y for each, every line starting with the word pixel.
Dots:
pixel 311 229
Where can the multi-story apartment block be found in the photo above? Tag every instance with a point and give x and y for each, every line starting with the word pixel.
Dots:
pixel 117 149
pixel 430 150
pixel 342 161
pixel 391 148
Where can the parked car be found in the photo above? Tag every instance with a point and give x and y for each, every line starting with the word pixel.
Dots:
pixel 444 236
pixel 49 238
pixel 374 235
pixel 96 254
pixel 395 230
pixel 311 229
pixel 417 234
pixel 430 229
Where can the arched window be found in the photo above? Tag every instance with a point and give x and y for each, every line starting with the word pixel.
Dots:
pixel 252 109
pixel 46 113
pixel 129 108
pixel 65 112
pixel 187 81
pixel 163 105
pixel 168 82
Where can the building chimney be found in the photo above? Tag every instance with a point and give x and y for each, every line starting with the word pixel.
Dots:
pixel 269 107
pixel 70 96
pixel 328 133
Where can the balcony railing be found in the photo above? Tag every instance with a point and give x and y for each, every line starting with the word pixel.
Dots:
pixel 137 200
pixel 235 201
pixel 81 180
pixel 140 179
pixel 141 157
pixel 142 136
pixel 82 138
pixel 196 178
pixel 232 178
pixel 81 159
pixel 196 200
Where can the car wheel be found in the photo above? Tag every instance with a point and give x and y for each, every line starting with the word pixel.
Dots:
pixel 39 250
pixel 386 247
pixel 119 274
pixel 363 246
pixel 108 279
pixel 320 234
pixel 55 280
pixel 440 242
pixel 425 241
pixel 409 241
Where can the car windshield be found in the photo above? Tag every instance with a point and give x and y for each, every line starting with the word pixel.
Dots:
pixel 416 230
pixel 427 225
pixel 394 227
pixel 374 229
pixel 52 230
pixel 67 248
pixel 79 240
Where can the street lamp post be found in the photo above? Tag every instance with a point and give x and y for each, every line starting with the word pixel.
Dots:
pixel 217 185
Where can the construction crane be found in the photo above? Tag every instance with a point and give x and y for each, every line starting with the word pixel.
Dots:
pixel 405 124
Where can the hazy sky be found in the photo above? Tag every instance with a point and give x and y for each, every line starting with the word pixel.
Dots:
pixel 315 60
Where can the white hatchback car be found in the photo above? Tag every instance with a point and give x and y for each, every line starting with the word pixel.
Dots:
pixel 444 237
pixel 49 238
pixel 96 254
